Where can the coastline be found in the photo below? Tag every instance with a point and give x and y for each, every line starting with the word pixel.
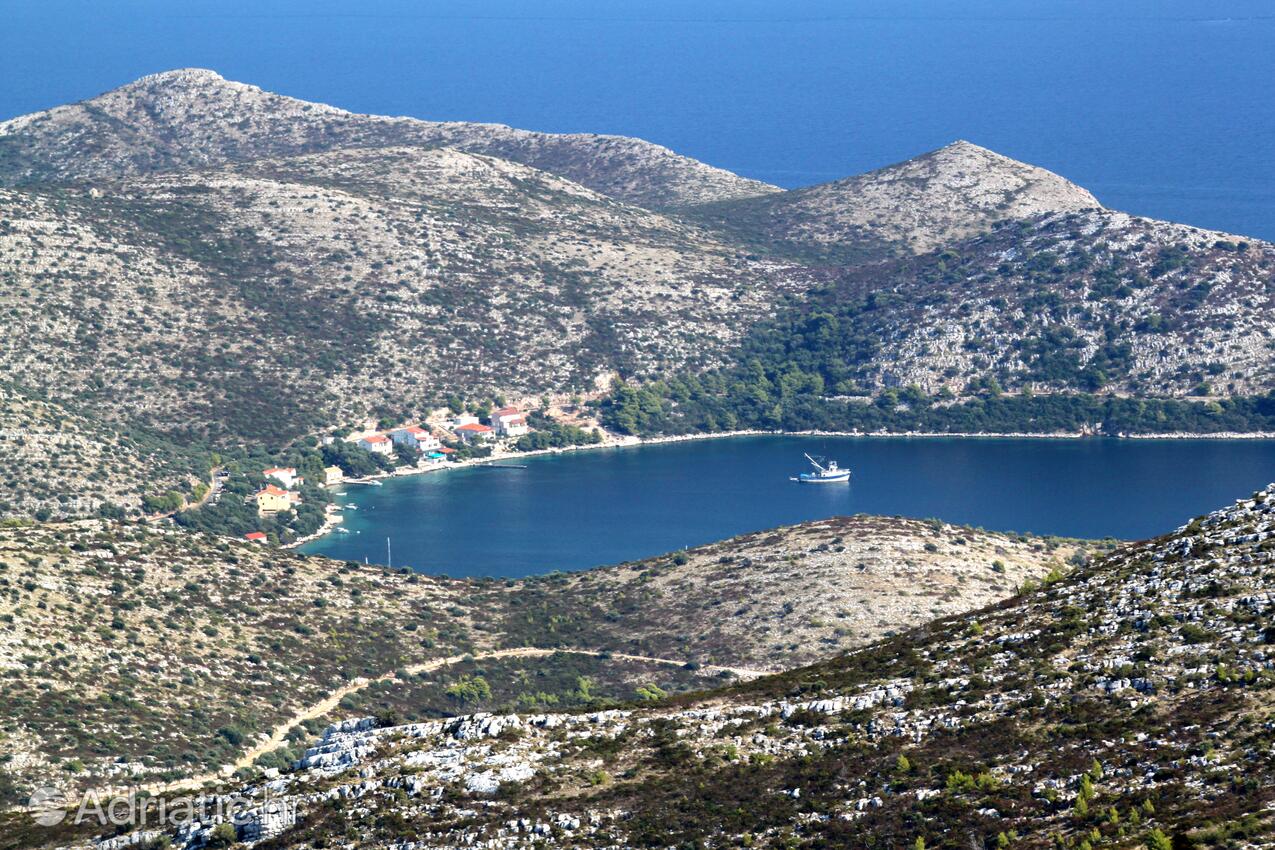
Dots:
pixel 334 517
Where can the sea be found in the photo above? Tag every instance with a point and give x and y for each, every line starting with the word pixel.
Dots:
pixel 1162 108
pixel 580 509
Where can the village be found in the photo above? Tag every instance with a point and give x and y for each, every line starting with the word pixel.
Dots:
pixel 454 440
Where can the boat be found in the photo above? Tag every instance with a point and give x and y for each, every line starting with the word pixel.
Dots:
pixel 351 507
pixel 376 483
pixel 342 530
pixel 823 474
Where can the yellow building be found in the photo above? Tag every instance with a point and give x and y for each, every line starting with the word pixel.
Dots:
pixel 332 475
pixel 273 499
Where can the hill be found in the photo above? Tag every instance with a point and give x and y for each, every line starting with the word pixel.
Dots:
pixel 219 269
pixel 147 653
pixel 266 300
pixel 1090 300
pixel 1123 705
pixel 1066 322
pixel 916 206
pixel 194 118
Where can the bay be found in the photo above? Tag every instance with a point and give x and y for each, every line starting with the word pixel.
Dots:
pixel 580 509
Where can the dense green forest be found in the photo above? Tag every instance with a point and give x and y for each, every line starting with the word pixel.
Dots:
pixel 767 402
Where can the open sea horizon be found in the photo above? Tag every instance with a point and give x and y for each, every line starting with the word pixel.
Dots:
pixel 1161 108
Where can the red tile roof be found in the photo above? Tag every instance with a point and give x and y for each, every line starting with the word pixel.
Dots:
pixel 475 429
pixel 507 411
pixel 272 470
pixel 376 438
pixel 272 490
pixel 255 535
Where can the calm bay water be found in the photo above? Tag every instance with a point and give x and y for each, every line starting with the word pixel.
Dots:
pixel 588 508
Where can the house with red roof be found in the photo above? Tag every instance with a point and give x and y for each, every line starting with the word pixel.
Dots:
pixel 285 475
pixel 271 499
pixel 473 434
pixel 509 422
pixel 377 444
pixel 255 536
pixel 415 437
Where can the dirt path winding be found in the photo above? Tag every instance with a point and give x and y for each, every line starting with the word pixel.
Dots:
pixel 331 701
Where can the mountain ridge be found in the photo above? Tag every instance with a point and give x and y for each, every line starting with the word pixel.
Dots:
pixel 209 632
pixel 915 206
pixel 156 123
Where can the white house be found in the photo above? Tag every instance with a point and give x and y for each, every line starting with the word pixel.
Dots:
pixel 285 475
pixel 463 419
pixel 474 433
pixel 415 437
pixel 515 427
pixel 377 444
pixel 509 422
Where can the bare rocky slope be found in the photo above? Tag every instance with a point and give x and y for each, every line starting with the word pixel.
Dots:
pixel 141 654
pixel 916 206
pixel 194 118
pixel 57 461
pixel 1123 705
pixel 1081 301
pixel 261 301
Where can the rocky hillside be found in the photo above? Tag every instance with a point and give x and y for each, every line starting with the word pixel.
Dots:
pixel 193 118
pixel 262 301
pixel 788 595
pixel 56 462
pixel 1090 300
pixel 149 654
pixel 916 206
pixel 1124 705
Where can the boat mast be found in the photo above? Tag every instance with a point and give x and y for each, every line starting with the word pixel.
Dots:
pixel 815 463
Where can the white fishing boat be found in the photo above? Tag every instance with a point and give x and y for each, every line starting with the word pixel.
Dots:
pixel 825 473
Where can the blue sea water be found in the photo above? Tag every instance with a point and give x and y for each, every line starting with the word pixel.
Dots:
pixel 1160 107
pixel 596 507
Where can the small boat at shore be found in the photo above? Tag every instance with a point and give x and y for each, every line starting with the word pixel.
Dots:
pixel 340 530
pixel 828 473
pixel 376 484
pixel 351 507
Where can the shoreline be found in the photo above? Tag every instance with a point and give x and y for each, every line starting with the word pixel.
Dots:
pixel 629 442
